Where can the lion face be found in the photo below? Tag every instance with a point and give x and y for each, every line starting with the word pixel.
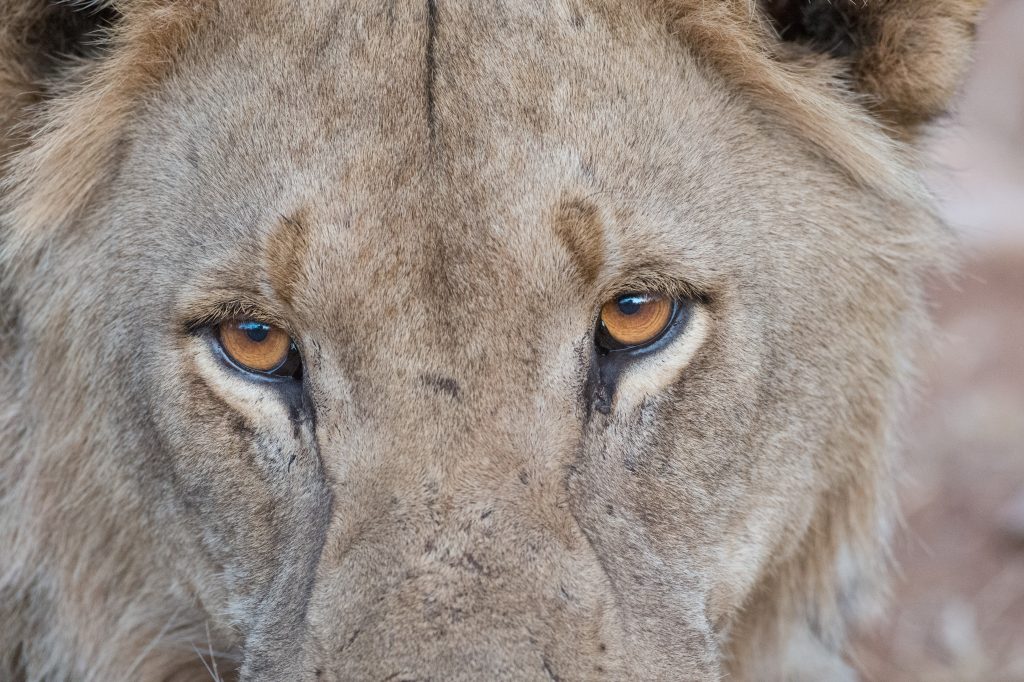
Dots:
pixel 451 340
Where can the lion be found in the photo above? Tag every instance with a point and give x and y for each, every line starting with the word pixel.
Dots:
pixel 459 339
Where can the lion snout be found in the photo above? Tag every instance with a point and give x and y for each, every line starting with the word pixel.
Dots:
pixel 481 596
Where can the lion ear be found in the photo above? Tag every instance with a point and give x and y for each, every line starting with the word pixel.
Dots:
pixel 41 41
pixel 906 56
pixel 71 76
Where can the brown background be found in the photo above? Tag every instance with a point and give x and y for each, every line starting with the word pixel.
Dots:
pixel 957 609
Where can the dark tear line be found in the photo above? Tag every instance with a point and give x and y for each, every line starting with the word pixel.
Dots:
pixel 431 67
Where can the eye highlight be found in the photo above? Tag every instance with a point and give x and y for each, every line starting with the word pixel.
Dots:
pixel 633 321
pixel 259 348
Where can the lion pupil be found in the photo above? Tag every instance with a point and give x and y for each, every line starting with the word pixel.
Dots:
pixel 630 305
pixel 256 332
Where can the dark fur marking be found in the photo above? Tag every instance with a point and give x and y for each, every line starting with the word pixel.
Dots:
pixel 576 18
pixel 390 15
pixel 602 378
pixel 472 563
pixel 192 155
pixel 431 68
pixel 547 669
pixel 352 638
pixel 330 30
pixel 442 384
pixel 296 420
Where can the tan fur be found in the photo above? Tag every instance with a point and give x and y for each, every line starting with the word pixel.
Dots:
pixel 435 199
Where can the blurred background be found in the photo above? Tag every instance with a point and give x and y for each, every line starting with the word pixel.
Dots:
pixel 957 610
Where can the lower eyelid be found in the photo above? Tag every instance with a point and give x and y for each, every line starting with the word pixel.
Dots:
pixel 242 393
pixel 655 368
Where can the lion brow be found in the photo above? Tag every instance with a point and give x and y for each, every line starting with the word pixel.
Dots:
pixel 286 248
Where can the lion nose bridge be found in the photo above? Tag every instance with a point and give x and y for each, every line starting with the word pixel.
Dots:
pixel 458 559
pixel 452 588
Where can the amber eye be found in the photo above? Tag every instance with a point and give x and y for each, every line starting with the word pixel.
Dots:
pixel 634 320
pixel 258 347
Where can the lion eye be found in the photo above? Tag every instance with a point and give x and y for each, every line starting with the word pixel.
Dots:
pixel 634 321
pixel 259 348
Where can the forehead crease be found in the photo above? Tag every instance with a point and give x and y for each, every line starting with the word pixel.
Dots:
pixel 469 201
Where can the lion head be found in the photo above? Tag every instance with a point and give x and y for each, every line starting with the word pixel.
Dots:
pixel 456 339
